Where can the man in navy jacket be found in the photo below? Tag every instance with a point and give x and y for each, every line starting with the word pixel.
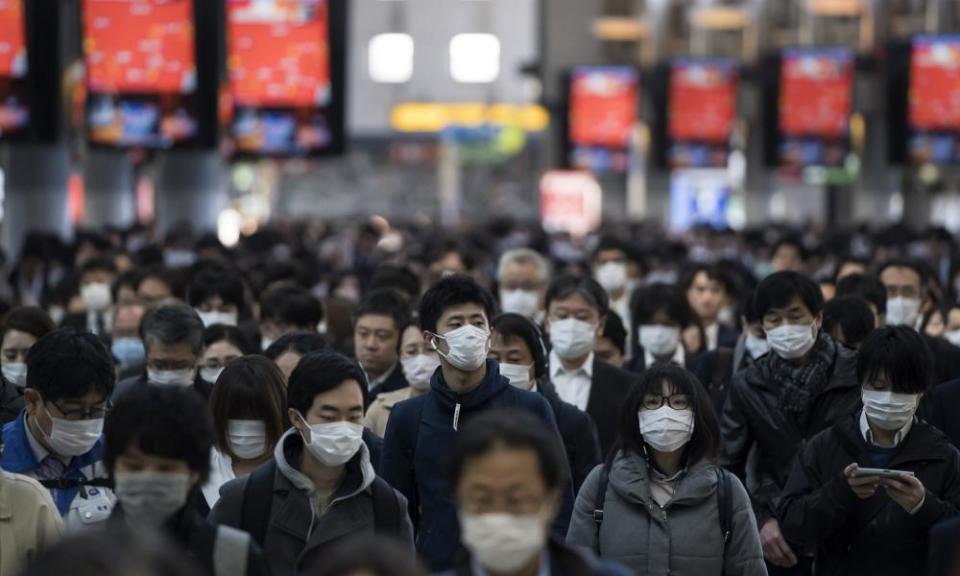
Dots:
pixel 455 317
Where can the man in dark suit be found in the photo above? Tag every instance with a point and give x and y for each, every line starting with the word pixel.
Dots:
pixel 96 281
pixel 941 409
pixel 377 325
pixel 576 312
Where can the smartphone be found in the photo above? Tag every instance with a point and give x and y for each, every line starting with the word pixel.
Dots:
pixel 861 472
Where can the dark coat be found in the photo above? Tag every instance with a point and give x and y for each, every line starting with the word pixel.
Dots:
pixel 564 561
pixel 579 435
pixel 420 435
pixel 944 556
pixel 873 536
pixel 942 406
pixel 79 322
pixel 200 386
pixel 609 386
pixel 752 419
pixel 396 381
pixel 946 359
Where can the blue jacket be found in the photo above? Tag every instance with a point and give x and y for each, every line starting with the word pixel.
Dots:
pixel 419 437
pixel 18 458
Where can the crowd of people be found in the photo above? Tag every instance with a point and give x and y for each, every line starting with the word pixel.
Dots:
pixel 347 400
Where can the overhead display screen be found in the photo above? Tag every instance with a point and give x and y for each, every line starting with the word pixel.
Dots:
pixel 279 62
pixel 141 72
pixel 603 113
pixel 816 99
pixel 934 104
pixel 14 91
pixel 702 111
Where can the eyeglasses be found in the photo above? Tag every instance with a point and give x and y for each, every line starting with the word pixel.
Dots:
pixel 677 401
pixel 94 413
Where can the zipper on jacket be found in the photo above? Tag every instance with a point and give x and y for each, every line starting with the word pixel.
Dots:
pixel 456 417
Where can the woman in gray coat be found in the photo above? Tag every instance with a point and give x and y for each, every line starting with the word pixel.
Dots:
pixel 661 506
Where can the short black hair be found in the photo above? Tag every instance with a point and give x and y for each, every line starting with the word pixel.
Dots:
pixel 97 265
pixel 615 332
pixel 748 308
pixel 853 315
pixel 705 441
pixel 173 324
pixel 658 297
pixel 219 281
pixel 868 287
pixel 452 291
pixel 922 270
pixel 608 243
pixel 791 241
pixel 515 325
pixel 291 304
pixel 166 275
pixel 301 343
pixel 900 354
pixel 128 279
pixel 68 363
pixel 568 285
pixel 690 272
pixel 230 334
pixel 509 429
pixel 320 372
pixel 164 421
pixel 384 302
pixel 445 246
pixel 398 277
pixel 30 320
pixel 779 289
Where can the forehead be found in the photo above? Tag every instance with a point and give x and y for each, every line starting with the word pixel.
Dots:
pixel 91 398
pixel 222 348
pixel 509 343
pixel 134 451
pixel 18 338
pixel 504 468
pixel 160 350
pixel 900 275
pixel 411 335
pixel 574 301
pixel 376 322
pixel 524 268
pixel 468 310
pixel 795 305
pixel 346 395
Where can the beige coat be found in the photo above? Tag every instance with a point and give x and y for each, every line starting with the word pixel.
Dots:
pixel 29 521
pixel 379 412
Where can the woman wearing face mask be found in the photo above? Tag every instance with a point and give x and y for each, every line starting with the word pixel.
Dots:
pixel 661 314
pixel 157 451
pixel 223 344
pixel 860 521
pixel 248 417
pixel 22 327
pixel 661 505
pixel 419 362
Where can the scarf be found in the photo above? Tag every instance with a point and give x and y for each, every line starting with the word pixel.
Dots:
pixel 799 384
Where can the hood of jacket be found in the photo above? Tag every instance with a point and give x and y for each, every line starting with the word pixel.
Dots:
pixel 630 479
pixel 290 448
pixel 491 385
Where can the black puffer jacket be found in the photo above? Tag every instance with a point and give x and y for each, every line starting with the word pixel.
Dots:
pixel 752 417
pixel 873 536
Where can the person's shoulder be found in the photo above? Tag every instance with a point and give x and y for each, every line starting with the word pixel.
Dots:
pixel 21 489
pixel 948 389
pixel 604 372
pixel 409 408
pixel 388 400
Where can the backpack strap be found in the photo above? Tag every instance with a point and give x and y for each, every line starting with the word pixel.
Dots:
pixel 600 503
pixel 724 505
pixel 386 509
pixel 231 551
pixel 257 501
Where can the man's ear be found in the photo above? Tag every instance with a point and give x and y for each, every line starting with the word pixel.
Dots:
pixel 33 400
pixel 601 325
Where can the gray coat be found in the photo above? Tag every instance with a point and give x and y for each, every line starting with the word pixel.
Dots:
pixel 682 539
pixel 298 532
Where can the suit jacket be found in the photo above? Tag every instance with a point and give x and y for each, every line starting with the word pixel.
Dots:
pixel 727 336
pixel 941 410
pixel 608 387
pixel 79 322
pixel 638 364
pixel 946 359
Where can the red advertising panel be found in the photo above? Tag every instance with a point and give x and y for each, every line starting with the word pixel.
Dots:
pixel 603 106
pixel 703 100
pixel 816 92
pixel 13 40
pixel 935 84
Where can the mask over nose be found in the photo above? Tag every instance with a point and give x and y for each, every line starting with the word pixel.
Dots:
pixel 572 338
pixel 467 347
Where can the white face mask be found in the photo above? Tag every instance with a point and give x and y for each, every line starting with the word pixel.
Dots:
pixel 953 337
pixel 666 429
pixel 150 498
pixel 210 375
pixel 213 318
pixel 572 338
pixel 334 443
pixel 182 378
pixel 15 373
pixel 903 312
pixel 660 340
pixel 503 543
pixel 612 276
pixel 792 341
pixel 467 347
pixel 755 346
pixel 523 302
pixel 96 296
pixel 889 410
pixel 247 438
pixel 419 370
pixel 518 374
pixel 73 437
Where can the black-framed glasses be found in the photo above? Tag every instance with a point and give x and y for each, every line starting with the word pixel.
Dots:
pixel 94 413
pixel 677 401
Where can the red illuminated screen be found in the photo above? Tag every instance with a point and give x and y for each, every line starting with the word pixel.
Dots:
pixel 815 93
pixel 603 106
pixel 13 42
pixel 279 52
pixel 139 46
pixel 703 101
pixel 934 85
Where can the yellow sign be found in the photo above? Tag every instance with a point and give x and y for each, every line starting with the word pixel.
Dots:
pixel 429 118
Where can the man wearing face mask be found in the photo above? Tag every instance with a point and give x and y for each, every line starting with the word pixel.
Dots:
pixel 522 277
pixel 455 318
pixel 57 437
pixel 96 280
pixel 158 443
pixel 610 271
pixel 127 347
pixel 862 522
pixel 21 329
pixel 806 384
pixel 218 295
pixel 508 477
pixel 320 486
pixel 576 313
pixel 173 338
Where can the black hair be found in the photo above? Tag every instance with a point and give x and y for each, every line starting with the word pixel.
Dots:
pixel 129 279
pixel 452 291
pixel 250 388
pixel 615 332
pixel 230 334
pixel 163 421
pixel 922 270
pixel 649 300
pixel 217 281
pixel 853 315
pixel 301 343
pixel 30 320
pixel 748 307
pixel 173 324
pixel 368 555
pixel 779 289
pixel 398 277
pixel 515 325
pixel 794 242
pixel 869 287
pixel 291 304
pixel 844 260
pixel 97 265
pixel 509 429
pixel 689 274
pixel 320 372
pixel 384 302
pixel 705 441
pixel 608 243
pixel 900 354
pixel 166 275
pixel 68 363
pixel 568 285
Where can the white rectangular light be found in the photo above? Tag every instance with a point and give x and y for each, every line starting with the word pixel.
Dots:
pixel 475 58
pixel 390 58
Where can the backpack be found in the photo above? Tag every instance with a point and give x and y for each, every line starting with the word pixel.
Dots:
pixel 258 500
pixel 724 505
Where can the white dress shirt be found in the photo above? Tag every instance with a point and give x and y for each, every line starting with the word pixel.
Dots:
pixel 713 336
pixel 573 386
pixel 221 472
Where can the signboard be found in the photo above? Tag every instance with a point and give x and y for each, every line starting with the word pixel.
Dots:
pixel 570 201
pixel 14 108
pixel 702 111
pixel 602 116
pixel 934 109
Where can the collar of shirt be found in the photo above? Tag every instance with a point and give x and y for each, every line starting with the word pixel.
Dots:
pixel 868 434
pixel 383 377
pixel 39 452
pixel 557 369
pixel 107 317
pixel 679 358
pixel 713 336
pixel 477 569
